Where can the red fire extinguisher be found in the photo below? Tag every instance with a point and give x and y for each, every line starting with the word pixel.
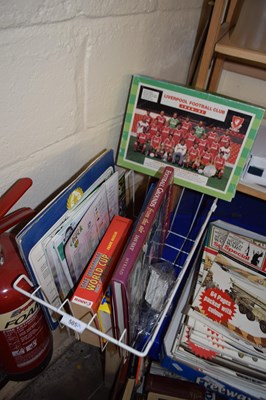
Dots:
pixel 26 343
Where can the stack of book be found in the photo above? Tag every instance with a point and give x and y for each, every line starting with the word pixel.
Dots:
pixel 218 334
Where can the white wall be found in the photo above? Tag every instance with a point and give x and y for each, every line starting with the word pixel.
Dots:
pixel 65 70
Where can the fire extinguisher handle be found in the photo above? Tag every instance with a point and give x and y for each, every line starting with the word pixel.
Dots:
pixel 14 218
pixel 18 280
pixel 13 194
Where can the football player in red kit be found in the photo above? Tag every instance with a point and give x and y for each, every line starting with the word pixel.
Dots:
pixel 191 138
pixel 212 136
pixel 161 119
pixel 167 148
pixel 178 133
pixel 205 159
pixel 153 128
pixel 215 147
pixel 225 139
pixel 155 145
pixel 219 163
pixel 140 142
pixel 165 130
pixel 142 136
pixel 187 125
pixel 202 142
pixel 148 118
pixel 192 157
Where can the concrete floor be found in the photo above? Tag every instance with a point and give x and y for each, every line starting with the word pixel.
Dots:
pixel 76 374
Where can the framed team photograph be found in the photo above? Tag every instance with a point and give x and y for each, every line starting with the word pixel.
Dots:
pixel 207 138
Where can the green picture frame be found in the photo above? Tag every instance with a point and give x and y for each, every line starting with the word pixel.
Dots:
pixel 151 99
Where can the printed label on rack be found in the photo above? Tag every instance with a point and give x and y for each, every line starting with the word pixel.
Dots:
pixel 73 323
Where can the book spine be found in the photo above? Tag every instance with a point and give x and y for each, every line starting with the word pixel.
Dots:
pixel 96 277
pixel 104 313
pixel 140 233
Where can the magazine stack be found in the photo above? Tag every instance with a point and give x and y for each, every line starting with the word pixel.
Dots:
pixel 217 336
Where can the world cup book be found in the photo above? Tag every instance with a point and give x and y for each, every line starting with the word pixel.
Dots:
pixel 145 244
pixel 93 284
pixel 207 138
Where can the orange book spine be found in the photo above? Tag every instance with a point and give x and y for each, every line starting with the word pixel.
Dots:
pixel 94 281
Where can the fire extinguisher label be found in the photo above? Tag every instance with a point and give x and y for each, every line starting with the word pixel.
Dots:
pixel 21 329
pixel 16 317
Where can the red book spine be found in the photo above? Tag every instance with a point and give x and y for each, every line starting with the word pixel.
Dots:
pixel 96 278
pixel 145 223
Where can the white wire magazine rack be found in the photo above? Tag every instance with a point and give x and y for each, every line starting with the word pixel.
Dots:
pixel 183 238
